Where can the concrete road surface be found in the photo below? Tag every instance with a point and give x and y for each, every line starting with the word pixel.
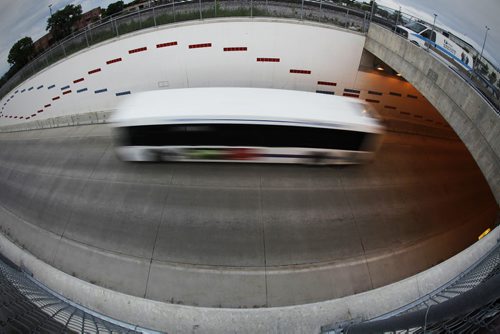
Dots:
pixel 238 235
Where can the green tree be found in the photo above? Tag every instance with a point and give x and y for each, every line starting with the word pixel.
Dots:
pixel 492 77
pixel 12 70
pixel 396 16
pixel 21 52
pixel 382 12
pixel 114 8
pixel 135 2
pixel 484 68
pixel 60 24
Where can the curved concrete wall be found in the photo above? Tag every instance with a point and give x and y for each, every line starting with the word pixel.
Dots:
pixel 263 53
pixel 86 87
pixel 140 70
pixel 292 319
pixel 472 118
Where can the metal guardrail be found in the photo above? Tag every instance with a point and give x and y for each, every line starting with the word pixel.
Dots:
pixel 489 95
pixel 26 306
pixel 467 303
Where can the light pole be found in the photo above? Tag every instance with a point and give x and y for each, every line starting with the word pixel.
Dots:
pixel 484 42
pixel 50 10
pixel 432 32
pixel 372 10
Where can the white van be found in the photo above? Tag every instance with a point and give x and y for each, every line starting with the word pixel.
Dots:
pixel 423 35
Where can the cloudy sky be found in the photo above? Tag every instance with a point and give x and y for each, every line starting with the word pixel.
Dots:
pixel 20 18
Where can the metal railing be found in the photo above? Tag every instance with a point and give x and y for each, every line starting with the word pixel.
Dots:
pixel 26 306
pixel 465 304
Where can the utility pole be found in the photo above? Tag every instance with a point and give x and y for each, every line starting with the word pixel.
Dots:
pixel 398 14
pixel 432 31
pixel 484 42
pixel 373 8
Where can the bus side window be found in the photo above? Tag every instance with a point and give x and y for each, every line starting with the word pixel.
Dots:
pixel 429 34
pixel 433 36
pixel 402 32
pixel 426 33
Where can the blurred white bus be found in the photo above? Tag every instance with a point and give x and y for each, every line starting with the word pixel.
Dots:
pixel 245 125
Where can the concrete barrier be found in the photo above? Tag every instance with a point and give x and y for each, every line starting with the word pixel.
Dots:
pixel 306 318
pixel 94 117
pixel 472 117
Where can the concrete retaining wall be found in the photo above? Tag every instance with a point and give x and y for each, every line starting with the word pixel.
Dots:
pixel 98 117
pixel 71 92
pixel 94 117
pixel 472 118
pixel 306 318
pixel 189 54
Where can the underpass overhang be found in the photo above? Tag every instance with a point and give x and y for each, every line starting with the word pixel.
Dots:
pixel 474 120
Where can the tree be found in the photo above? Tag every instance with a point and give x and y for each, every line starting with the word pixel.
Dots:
pixel 396 16
pixel 21 52
pixel 61 23
pixel 135 2
pixel 492 77
pixel 382 13
pixel 9 74
pixel 484 68
pixel 114 8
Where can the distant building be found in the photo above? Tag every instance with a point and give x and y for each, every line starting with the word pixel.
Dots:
pixel 136 6
pixel 87 18
pixel 47 40
pixel 43 43
pixel 142 4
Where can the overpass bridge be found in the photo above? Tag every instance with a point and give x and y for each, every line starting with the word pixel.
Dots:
pixel 474 120
pixel 304 247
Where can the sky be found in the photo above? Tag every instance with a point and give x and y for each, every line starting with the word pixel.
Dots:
pixel 20 18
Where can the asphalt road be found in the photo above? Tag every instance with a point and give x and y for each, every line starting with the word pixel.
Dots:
pixel 238 235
